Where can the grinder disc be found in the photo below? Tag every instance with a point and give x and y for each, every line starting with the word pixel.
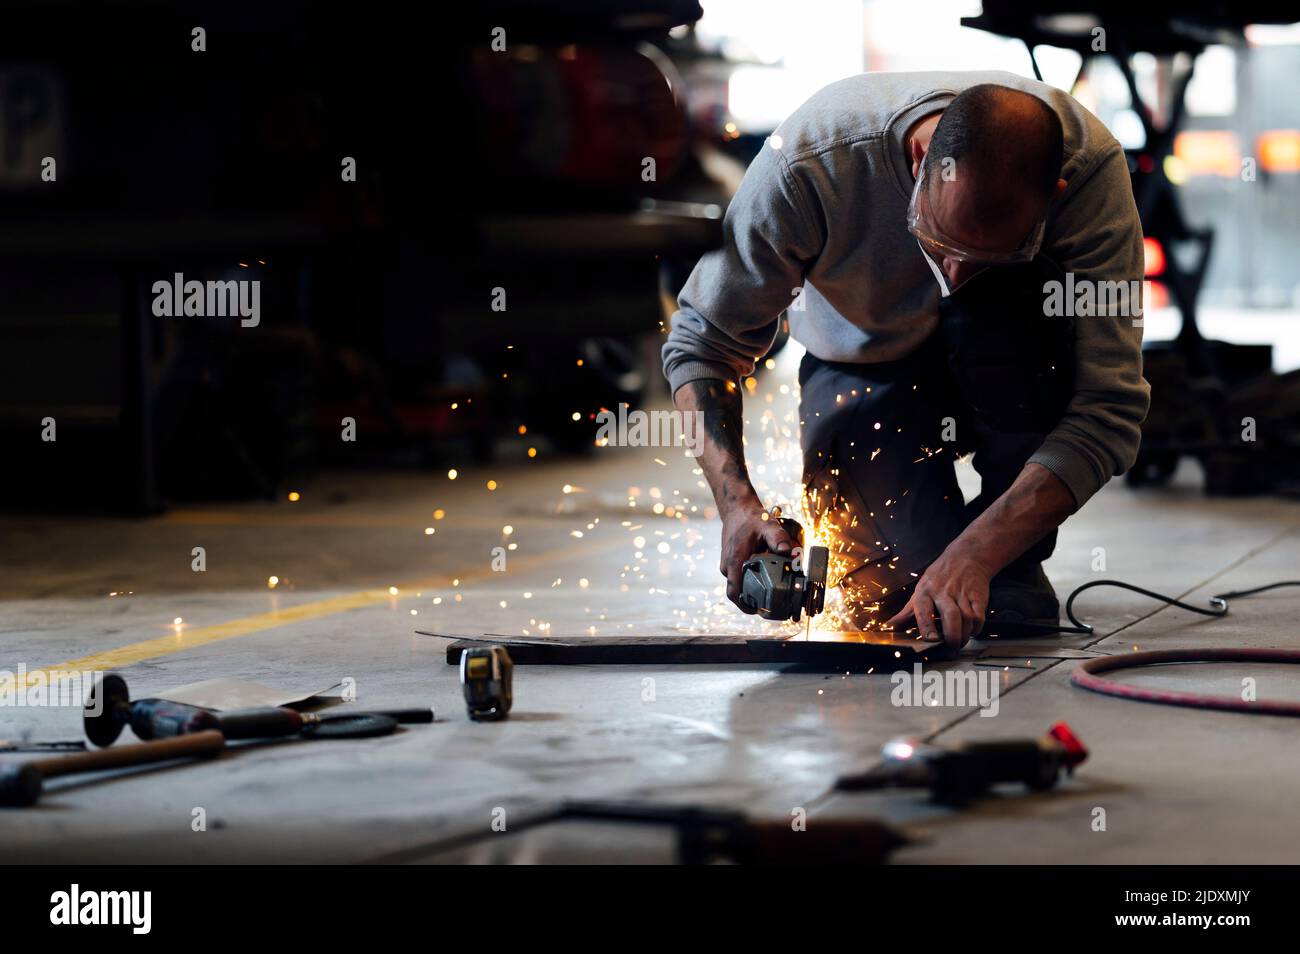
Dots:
pixel 101 716
pixel 359 725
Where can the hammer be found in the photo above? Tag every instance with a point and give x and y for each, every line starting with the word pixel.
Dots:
pixel 20 785
pixel 109 710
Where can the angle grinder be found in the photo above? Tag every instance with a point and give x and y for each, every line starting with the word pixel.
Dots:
pixel 785 586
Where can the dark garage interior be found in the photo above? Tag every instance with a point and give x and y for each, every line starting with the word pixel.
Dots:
pixel 382 390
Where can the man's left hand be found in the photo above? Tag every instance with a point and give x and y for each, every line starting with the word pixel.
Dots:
pixel 955 590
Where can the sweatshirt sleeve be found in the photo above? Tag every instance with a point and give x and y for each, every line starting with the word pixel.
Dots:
pixel 727 312
pixel 1097 235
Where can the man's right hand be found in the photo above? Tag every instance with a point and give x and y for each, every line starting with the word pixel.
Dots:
pixel 746 531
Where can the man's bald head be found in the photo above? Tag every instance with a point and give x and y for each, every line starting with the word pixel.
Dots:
pixel 1005 142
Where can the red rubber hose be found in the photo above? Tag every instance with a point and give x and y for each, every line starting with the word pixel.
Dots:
pixel 1086 677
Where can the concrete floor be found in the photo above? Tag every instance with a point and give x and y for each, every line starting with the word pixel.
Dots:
pixel 1177 785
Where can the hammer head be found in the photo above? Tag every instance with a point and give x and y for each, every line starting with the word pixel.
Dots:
pixel 20 785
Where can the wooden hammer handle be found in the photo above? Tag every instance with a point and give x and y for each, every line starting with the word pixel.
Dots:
pixel 208 742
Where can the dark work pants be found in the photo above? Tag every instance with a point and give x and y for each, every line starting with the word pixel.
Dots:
pixel 880 440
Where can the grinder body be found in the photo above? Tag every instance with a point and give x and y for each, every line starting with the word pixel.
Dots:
pixel 784 587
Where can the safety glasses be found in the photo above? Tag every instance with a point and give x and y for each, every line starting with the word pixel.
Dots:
pixel 919 219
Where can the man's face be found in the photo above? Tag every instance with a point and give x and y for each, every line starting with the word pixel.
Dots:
pixel 962 242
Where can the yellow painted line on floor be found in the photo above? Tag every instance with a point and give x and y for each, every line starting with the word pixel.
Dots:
pixel 344 521
pixel 317 609
pixel 197 518
pixel 353 521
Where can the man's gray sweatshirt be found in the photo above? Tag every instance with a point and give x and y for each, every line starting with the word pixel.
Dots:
pixel 823 208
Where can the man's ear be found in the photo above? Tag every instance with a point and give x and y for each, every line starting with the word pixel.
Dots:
pixel 1060 187
pixel 918 156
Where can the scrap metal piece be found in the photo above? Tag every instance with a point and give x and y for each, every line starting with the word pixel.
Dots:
pixel 826 652
pixel 224 694
pixel 606 650
pixel 850 651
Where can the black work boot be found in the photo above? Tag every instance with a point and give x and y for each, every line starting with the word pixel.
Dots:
pixel 1021 602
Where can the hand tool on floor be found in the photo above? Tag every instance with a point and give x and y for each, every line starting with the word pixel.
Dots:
pixel 784 586
pixel 703 835
pixel 109 710
pixel 707 836
pixel 21 784
pixel 486 675
pixel 959 773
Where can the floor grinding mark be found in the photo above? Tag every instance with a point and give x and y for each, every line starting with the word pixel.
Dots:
pixel 317 609
pixel 852 652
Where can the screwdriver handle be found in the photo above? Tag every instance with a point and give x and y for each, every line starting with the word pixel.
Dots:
pixel 264 723
pixel 162 719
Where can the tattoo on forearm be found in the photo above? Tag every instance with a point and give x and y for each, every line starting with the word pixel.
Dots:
pixel 722 405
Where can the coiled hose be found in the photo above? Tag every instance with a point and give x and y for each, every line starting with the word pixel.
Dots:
pixel 1088 674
